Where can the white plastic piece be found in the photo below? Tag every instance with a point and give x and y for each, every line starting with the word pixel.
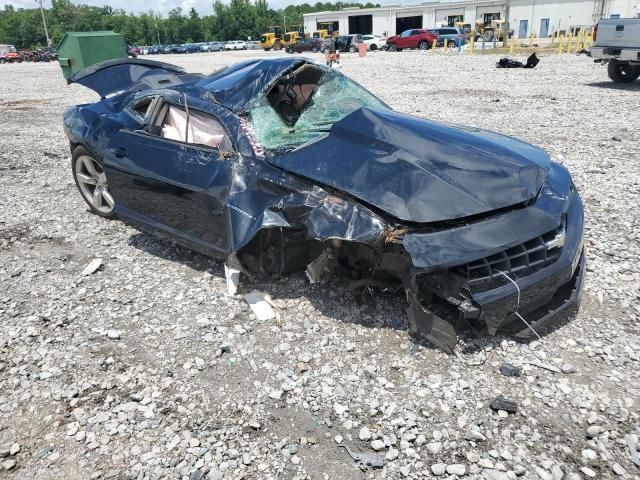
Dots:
pixel 261 304
pixel 233 279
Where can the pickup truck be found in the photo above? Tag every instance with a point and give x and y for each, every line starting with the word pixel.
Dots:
pixel 617 42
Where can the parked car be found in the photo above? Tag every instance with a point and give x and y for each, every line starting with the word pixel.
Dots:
pixel 454 36
pixel 617 42
pixel 191 48
pixel 212 47
pixel 9 54
pixel 153 50
pixel 306 45
pixel 415 38
pixel 283 164
pixel 348 43
pixel 327 44
pixel 374 42
pixel 235 45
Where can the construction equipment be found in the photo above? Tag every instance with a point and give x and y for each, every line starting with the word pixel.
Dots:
pixel 326 30
pixel 491 29
pixel 291 37
pixel 272 39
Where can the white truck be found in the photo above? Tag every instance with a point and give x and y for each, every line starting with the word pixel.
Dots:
pixel 617 42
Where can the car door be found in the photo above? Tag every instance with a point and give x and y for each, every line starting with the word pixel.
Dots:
pixel 403 40
pixel 174 185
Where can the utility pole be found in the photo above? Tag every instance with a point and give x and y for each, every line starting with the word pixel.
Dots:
pixel 157 31
pixel 505 25
pixel 44 22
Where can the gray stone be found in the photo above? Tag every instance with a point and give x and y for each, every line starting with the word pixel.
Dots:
pixel 377 445
pixel 456 469
pixel 439 469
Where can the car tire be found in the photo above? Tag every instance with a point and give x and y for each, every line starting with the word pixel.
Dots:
pixel 452 44
pixel 423 45
pixel 353 49
pixel 373 47
pixel 267 49
pixel 325 50
pixel 91 181
pixel 623 72
pixel 314 50
pixel 392 48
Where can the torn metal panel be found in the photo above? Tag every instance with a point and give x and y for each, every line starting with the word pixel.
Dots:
pixel 293 166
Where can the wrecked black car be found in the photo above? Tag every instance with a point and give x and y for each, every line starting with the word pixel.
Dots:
pixel 278 165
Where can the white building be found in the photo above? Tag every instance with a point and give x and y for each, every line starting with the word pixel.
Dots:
pixel 540 17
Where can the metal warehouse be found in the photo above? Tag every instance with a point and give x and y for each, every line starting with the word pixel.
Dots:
pixel 526 17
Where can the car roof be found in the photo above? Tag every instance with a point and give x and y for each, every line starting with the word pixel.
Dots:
pixel 236 86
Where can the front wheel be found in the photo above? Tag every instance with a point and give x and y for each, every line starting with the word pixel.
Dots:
pixel 373 47
pixel 325 50
pixel 353 49
pixel 91 181
pixel 392 48
pixel 452 44
pixel 314 49
pixel 623 72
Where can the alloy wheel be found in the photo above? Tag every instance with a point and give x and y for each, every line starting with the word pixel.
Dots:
pixel 92 183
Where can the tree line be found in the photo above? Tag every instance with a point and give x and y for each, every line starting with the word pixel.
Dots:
pixel 236 20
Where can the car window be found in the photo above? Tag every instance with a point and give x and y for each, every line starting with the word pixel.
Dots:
pixel 202 129
pixel 416 32
pixel 141 108
pixel 405 34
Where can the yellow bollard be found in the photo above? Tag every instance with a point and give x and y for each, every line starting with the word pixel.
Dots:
pixel 511 45
pixel 433 46
pixel 446 43
pixel 569 42
pixel 560 42
pixel 471 42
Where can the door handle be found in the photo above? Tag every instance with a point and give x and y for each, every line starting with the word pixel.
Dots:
pixel 121 152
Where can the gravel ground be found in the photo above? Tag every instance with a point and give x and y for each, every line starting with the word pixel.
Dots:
pixel 146 369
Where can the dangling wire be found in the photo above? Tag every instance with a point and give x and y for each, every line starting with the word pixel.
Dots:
pixel 518 304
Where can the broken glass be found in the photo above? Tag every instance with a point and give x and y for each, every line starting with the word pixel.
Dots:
pixel 335 97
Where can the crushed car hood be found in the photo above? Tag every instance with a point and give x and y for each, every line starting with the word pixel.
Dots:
pixel 420 171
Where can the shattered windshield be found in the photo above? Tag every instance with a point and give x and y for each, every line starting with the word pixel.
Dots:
pixel 304 105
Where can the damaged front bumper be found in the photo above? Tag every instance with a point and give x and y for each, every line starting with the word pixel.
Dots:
pixel 524 290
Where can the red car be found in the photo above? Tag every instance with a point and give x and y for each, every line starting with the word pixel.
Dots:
pixel 416 38
pixel 8 53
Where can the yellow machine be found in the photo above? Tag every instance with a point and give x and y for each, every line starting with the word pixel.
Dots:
pixel 272 39
pixel 326 31
pixel 322 33
pixel 487 31
pixel 291 37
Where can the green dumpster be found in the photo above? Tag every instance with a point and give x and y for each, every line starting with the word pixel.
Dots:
pixel 78 50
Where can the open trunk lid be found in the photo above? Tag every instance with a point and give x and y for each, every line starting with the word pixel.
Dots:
pixel 112 76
